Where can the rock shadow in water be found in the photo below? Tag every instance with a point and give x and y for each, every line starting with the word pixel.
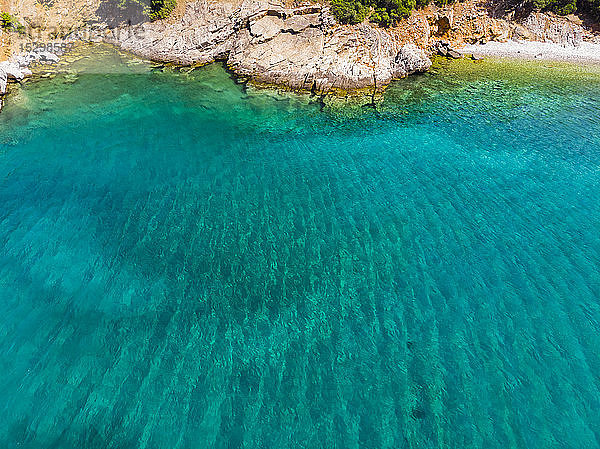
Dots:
pixel 115 13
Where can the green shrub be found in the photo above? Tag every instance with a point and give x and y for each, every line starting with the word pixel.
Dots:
pixel 139 9
pixel 564 7
pixel 349 11
pixel 385 12
pixel 10 23
pixel 396 9
pixel 161 9
pixel 381 17
pixel 568 7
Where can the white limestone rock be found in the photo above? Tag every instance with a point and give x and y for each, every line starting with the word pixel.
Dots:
pixel 301 48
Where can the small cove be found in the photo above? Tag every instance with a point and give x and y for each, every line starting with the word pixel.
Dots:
pixel 190 262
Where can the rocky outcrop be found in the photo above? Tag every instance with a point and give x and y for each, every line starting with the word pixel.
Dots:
pixel 347 58
pixel 545 28
pixel 17 68
pixel 3 82
pixel 10 71
pixel 443 48
pixel 473 22
pixel 301 48
pixel 203 35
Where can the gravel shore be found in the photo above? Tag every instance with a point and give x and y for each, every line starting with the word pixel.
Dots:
pixel 586 53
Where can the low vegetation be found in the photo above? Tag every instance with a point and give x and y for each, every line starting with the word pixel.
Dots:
pixel 564 7
pixel 10 23
pixel 161 9
pixel 382 12
pixel 149 9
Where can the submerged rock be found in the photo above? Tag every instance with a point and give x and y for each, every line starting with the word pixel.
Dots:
pixel 454 54
pixel 13 71
pixel 9 70
pixel 17 68
pixel 3 81
pixel 300 48
pixel 443 49
pixel 46 56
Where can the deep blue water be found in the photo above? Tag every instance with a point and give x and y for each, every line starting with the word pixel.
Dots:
pixel 187 263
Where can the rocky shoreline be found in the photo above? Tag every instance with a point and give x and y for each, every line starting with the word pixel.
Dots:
pixel 17 68
pixel 304 48
pixel 299 48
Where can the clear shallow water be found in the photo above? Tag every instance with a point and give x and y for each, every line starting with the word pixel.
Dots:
pixel 187 264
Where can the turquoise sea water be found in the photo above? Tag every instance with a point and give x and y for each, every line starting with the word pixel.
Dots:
pixel 187 263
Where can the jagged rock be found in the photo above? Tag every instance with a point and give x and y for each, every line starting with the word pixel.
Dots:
pixel 266 27
pixel 9 70
pixel 26 59
pixel 23 60
pixel 561 31
pixel 202 35
pixel 13 70
pixel 17 68
pixel 298 23
pixel 311 9
pixel 520 33
pixel 348 58
pixel 440 47
pixel 411 59
pixel 327 19
pixel 443 49
pixel 296 47
pixel 3 81
pixel 46 56
pixel 498 31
